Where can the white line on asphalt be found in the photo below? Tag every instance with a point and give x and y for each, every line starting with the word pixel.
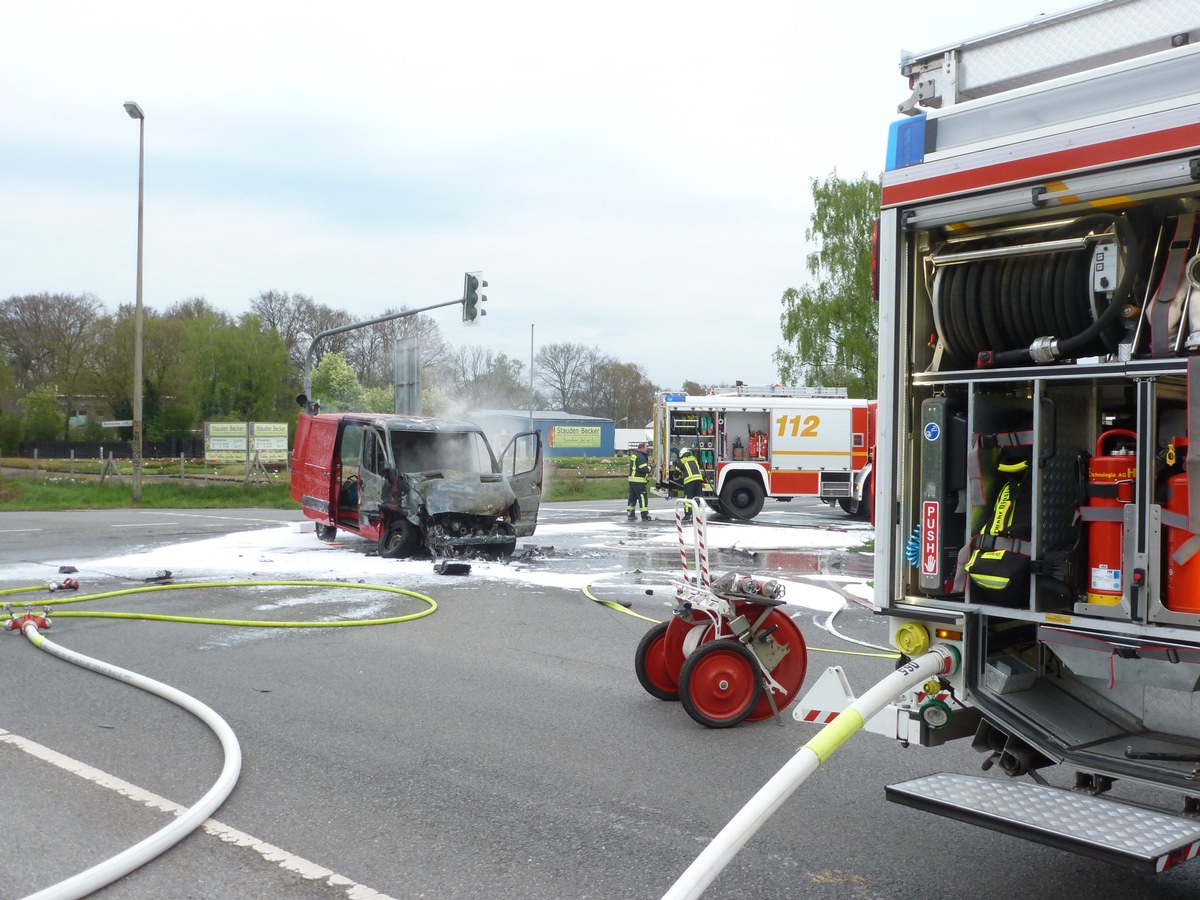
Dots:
pixel 184 515
pixel 302 867
pixel 143 524
pixel 19 530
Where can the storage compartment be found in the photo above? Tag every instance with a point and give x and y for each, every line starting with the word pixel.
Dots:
pixel 1007 675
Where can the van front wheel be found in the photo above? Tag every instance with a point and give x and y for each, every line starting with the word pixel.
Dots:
pixel 399 540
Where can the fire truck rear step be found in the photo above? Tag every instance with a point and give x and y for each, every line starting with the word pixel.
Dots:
pixel 1099 827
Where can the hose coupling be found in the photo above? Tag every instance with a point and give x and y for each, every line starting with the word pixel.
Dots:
pixel 19 621
pixel 1044 350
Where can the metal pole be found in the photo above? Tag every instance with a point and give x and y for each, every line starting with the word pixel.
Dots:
pixel 531 377
pixel 135 112
pixel 308 357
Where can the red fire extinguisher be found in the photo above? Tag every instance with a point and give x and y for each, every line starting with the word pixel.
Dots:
pixel 758 445
pixel 1183 579
pixel 1110 487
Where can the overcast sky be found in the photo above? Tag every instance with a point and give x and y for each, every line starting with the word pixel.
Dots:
pixel 629 175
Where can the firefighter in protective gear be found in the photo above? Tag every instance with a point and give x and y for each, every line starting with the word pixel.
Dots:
pixel 639 475
pixel 687 472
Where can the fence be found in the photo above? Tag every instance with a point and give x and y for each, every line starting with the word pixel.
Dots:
pixel 171 448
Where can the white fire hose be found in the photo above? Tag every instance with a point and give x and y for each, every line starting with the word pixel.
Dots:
pixel 940 660
pixel 123 863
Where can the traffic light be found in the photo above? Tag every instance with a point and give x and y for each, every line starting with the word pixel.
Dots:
pixel 472 282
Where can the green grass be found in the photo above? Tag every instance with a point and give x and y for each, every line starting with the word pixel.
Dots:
pixel 580 478
pixel 52 486
pixel 561 488
pixel 57 493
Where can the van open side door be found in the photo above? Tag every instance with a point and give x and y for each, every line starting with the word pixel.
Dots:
pixel 521 463
pixel 372 479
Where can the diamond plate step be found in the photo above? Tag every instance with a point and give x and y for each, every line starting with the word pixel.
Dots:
pixel 1098 827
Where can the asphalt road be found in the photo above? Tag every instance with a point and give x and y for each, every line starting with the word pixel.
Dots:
pixel 500 747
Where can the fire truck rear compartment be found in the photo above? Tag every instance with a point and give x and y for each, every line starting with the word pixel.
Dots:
pixel 1040 269
pixel 1105 709
pixel 1101 705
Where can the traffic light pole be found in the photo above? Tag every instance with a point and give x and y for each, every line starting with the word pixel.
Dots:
pixel 331 331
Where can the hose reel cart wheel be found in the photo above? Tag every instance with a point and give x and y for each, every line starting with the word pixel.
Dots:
pixel 650 664
pixel 720 683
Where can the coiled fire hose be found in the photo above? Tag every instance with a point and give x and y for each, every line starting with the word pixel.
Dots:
pixel 940 660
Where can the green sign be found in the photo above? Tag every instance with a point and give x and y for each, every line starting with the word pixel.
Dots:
pixel 226 442
pixel 583 437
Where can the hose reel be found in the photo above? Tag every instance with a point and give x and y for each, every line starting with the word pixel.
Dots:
pixel 1033 302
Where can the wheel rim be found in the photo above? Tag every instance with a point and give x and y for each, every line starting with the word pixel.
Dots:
pixel 399 540
pixel 720 684
pixel 790 670
pixel 651 665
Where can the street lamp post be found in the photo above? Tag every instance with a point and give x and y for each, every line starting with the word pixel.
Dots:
pixel 135 112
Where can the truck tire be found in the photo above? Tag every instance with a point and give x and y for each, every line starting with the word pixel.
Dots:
pixel 326 533
pixel 399 540
pixel 715 505
pixel 742 497
pixel 868 497
pixel 860 509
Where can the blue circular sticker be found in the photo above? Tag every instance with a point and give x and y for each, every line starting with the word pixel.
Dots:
pixel 932 432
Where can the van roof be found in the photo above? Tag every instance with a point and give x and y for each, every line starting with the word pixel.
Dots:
pixel 405 423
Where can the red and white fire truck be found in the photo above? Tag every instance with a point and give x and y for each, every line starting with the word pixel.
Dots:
pixel 1039 303
pixel 777 442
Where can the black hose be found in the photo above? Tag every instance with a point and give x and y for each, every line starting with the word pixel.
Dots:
pixel 1068 347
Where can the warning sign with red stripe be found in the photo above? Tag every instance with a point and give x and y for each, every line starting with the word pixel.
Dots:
pixel 930 564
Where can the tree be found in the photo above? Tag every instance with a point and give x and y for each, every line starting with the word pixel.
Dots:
pixel 290 315
pixel 831 325
pixel 369 349
pixel 563 370
pixel 43 414
pixel 239 370
pixel 336 386
pixel 50 339
pixel 618 390
pixel 477 378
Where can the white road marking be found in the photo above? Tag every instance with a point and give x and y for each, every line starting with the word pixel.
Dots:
pixel 285 860
pixel 184 515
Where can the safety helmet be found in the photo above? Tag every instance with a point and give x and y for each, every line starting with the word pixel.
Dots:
pixel 685 452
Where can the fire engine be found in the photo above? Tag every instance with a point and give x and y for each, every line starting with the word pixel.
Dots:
pixel 777 442
pixel 1039 304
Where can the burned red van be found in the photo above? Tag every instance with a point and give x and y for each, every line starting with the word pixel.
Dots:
pixel 413 483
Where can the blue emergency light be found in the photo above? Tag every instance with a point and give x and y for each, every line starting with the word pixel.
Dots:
pixel 906 143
